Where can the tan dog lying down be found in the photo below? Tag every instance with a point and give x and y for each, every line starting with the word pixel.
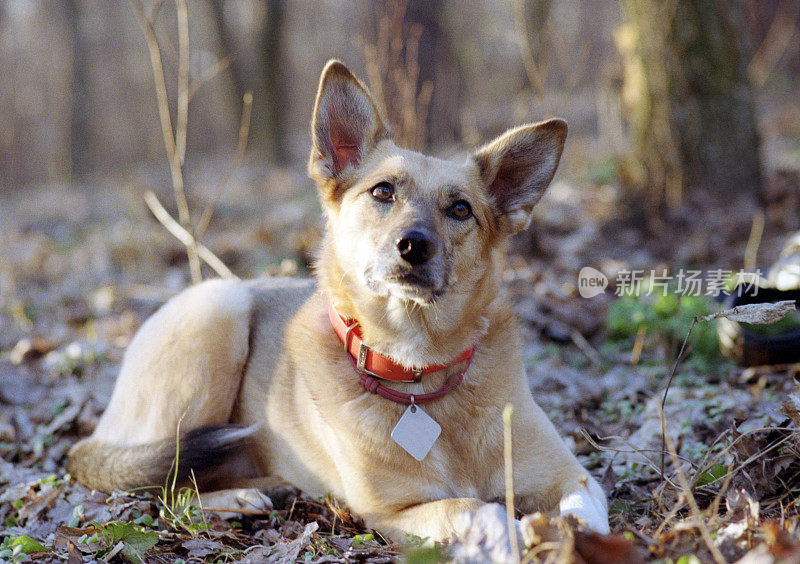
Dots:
pixel 410 267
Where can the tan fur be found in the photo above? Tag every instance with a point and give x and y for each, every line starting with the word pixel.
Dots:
pixel 263 352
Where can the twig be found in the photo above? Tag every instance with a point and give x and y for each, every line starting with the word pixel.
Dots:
pixel 207 75
pixel 182 235
pixel 154 10
pixel 752 458
pixel 508 413
pixel 182 114
pixel 669 517
pixel 666 391
pixel 726 482
pixel 392 65
pixel 687 490
pixel 585 347
pixel 754 241
pixel 778 38
pixel 158 76
pixel 199 500
pixel 633 450
pixel 638 344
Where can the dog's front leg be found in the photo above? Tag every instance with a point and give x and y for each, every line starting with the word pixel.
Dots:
pixel 433 519
pixel 547 475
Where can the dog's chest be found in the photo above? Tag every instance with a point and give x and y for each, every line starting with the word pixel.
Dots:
pixel 463 462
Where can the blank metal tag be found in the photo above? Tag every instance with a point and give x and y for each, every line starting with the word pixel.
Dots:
pixel 416 432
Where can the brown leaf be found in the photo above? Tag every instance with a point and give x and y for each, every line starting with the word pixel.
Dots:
pixel 73 554
pixel 606 549
pixel 41 501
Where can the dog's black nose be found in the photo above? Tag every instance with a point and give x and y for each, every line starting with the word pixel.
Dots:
pixel 416 247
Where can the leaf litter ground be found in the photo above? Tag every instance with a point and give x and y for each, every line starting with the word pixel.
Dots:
pixel 79 279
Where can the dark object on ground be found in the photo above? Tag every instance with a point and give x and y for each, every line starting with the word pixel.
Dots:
pixel 747 345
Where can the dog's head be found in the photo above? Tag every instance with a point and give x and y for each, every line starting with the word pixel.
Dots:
pixel 409 227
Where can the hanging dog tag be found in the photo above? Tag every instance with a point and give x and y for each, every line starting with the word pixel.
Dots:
pixel 416 432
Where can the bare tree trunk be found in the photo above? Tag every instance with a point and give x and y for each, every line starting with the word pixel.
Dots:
pixel 274 81
pixel 78 137
pixel 689 98
pixel 438 65
pixel 267 81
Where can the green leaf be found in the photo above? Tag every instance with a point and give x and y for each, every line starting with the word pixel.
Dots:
pixel 144 519
pixel 136 540
pixel 716 472
pixel 27 545
pixel 361 539
pixel 77 516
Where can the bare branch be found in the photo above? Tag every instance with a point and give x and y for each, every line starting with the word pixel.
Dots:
pixel 154 11
pixel 158 76
pixel 176 171
pixel 208 74
pixel 182 235
pixel 182 117
pixel 531 69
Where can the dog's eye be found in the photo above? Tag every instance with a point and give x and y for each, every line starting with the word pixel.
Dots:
pixel 460 210
pixel 383 191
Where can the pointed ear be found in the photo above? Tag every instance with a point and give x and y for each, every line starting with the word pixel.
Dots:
pixel 517 167
pixel 346 125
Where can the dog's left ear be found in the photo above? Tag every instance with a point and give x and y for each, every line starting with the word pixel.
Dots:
pixel 518 166
pixel 346 126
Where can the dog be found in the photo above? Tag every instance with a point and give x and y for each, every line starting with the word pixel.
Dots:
pixel 382 382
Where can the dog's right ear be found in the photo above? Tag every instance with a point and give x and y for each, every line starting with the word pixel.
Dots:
pixel 346 126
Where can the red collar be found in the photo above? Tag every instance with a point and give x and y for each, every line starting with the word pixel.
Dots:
pixel 370 363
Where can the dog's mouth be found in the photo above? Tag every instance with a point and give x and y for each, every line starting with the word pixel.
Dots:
pixel 419 286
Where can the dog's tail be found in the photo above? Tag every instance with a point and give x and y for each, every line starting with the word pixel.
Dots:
pixel 105 466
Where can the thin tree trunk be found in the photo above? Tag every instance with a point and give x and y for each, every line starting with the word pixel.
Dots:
pixel 78 138
pixel 439 66
pixel 275 98
pixel 689 97
pixel 267 82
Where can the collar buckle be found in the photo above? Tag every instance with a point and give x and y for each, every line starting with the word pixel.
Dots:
pixel 361 361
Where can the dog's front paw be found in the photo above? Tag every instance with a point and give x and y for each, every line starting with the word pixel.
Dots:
pixel 588 503
pixel 483 536
pixel 230 503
